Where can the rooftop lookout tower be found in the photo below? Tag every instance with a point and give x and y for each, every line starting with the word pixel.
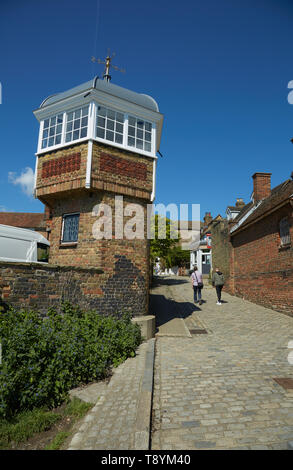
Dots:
pixel 98 141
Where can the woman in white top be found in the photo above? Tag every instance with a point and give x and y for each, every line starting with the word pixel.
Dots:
pixel 197 285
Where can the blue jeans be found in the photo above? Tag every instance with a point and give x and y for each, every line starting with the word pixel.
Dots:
pixel 196 293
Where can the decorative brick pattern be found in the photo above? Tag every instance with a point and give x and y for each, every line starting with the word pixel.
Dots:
pixel 121 172
pixel 61 165
pixel 61 171
pixel 120 166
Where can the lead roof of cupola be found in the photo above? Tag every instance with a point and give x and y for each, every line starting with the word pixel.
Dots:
pixel 140 99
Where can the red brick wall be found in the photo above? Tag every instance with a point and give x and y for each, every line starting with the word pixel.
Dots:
pixel 125 263
pixel 262 271
pixel 38 286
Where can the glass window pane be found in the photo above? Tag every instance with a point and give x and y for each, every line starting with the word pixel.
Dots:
pixel 148 136
pixel 69 116
pixel 70 228
pixel 85 111
pixel 119 138
pixel 60 118
pixel 148 126
pixel 45 133
pixel 111 114
pixel 77 114
pixel 46 123
pixel 84 122
pixel 68 136
pixel 76 124
pixel 119 127
pixel 100 133
pixel 139 144
pixel 75 135
pixel 53 121
pixel 131 121
pixel 83 132
pixel 147 146
pixel 119 117
pixel 44 143
pixel 110 135
pixel 52 131
pixel 69 126
pixel 51 141
pixel 131 131
pixel 59 129
pixel 131 141
pixel 139 134
pixel 101 122
pixel 110 125
pixel 57 139
pixel 140 124
pixel 101 111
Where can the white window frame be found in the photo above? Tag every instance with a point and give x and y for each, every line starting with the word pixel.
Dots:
pixel 111 142
pixel 62 229
pixel 92 127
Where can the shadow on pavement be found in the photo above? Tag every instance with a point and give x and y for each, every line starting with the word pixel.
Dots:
pixel 160 281
pixel 166 310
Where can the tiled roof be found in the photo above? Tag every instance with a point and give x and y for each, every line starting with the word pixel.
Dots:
pixel 23 219
pixel 279 194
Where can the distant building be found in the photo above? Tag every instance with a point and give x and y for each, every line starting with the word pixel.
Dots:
pixel 202 256
pixel 33 221
pixel 233 211
pixel 254 249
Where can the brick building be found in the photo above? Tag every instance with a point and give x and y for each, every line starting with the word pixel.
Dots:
pixel 258 245
pixel 33 221
pixel 96 142
pixel 220 234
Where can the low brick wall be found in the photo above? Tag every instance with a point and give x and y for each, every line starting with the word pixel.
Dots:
pixel 38 287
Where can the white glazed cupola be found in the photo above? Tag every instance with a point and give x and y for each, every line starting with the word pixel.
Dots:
pixel 100 111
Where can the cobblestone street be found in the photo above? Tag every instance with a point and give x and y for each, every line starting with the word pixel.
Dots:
pixel 215 366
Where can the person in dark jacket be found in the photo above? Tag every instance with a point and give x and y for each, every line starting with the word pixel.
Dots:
pixel 218 282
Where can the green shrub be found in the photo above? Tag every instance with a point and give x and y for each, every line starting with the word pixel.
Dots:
pixel 43 358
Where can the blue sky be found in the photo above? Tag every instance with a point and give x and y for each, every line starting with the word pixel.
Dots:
pixel 219 70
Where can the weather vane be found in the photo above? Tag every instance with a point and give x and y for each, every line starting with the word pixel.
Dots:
pixel 108 64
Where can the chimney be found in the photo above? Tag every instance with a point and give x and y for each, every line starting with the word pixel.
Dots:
pixel 261 186
pixel 240 203
pixel 207 218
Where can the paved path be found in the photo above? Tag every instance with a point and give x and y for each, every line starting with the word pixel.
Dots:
pixel 214 382
pixel 120 420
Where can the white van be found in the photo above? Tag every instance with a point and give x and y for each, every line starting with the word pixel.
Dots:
pixel 22 245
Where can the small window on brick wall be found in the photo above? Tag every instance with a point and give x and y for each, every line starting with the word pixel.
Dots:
pixel 285 232
pixel 70 228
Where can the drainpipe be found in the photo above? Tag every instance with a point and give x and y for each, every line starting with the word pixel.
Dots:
pixel 153 195
pixel 89 164
pixel 35 176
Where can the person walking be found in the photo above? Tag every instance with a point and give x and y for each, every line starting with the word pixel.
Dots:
pixel 218 282
pixel 197 285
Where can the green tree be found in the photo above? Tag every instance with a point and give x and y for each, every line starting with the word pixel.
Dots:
pixel 164 245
